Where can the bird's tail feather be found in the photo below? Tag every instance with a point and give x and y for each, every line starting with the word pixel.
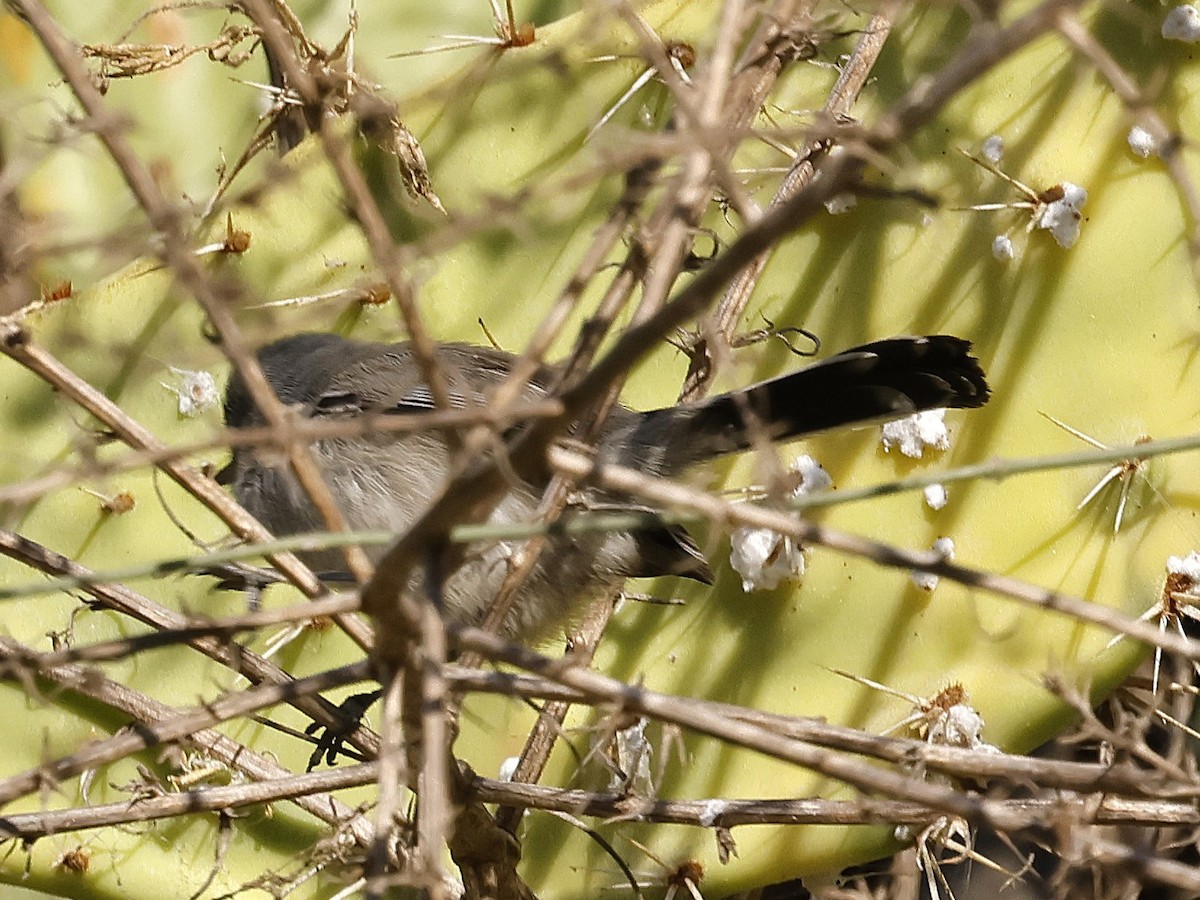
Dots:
pixel 876 382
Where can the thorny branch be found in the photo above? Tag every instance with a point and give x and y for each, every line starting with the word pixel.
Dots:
pixel 168 622
pixel 724 319
pixel 717 509
pixel 212 296
pixel 156 723
pixel 710 813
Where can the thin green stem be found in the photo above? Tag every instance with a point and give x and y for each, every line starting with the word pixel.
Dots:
pixel 577 523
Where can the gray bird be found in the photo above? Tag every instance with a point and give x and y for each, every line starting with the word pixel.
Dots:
pixel 385 480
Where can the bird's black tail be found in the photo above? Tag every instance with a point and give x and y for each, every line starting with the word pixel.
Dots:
pixel 876 382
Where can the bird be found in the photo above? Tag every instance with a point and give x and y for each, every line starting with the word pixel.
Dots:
pixel 385 480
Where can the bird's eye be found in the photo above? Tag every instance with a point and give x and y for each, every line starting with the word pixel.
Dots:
pixel 341 402
pixel 227 474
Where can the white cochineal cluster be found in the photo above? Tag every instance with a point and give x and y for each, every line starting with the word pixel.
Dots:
pixel 765 558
